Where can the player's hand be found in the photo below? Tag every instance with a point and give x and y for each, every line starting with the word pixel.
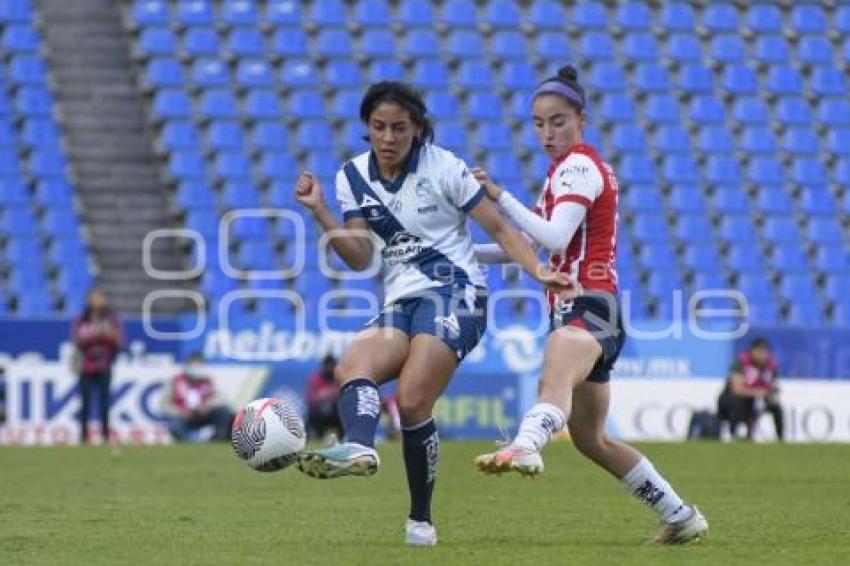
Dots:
pixel 308 192
pixel 494 191
pixel 564 288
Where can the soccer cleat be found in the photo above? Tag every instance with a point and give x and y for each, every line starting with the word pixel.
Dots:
pixel 511 458
pixel 344 459
pixel 695 526
pixel 419 533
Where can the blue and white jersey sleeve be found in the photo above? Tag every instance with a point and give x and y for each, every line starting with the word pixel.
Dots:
pixel 345 198
pixel 463 190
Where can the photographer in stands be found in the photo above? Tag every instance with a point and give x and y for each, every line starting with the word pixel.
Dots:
pixel 193 403
pixel 750 391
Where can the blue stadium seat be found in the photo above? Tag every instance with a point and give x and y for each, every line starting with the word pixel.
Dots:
pixel 815 50
pixel 352 138
pixel 60 221
pixel 553 46
pixel 772 49
pixel 824 230
pixel 727 48
pixel 483 106
pixel 783 80
pixel 171 103
pixel 225 135
pixel 333 44
pixel 650 78
pixel 589 15
pixel 239 193
pixel 798 287
pixel 715 139
pixel 806 314
pixel 9 163
pixel 686 199
pixel 372 14
pixel 705 109
pixel 245 42
pixel 283 13
pixel 307 104
pixel 640 47
pixel 764 19
pixel 671 138
pixel 218 104
pixel 815 200
pixel 838 141
pixel 193 195
pixel 323 165
pixel 738 229
pixel 780 230
pixel 34 304
pixel 204 222
pixel 793 111
pixel 509 45
pixel 190 13
pixel 494 136
pixel 694 228
pixel 412 13
pixel 763 313
pixel 766 171
pixel 262 104
pixel 636 168
pixel 442 105
pixel 546 15
pixel 720 17
pixel 695 79
pixel 832 259
pixel 37 132
pixel 275 165
pixel 328 13
pixel 200 42
pixel 650 228
pixel 800 141
pixel 52 192
pixel 504 167
pixel 377 43
pixel 658 255
pixel 238 13
pixel 740 80
pixel 502 14
pixel 280 195
pixel 663 109
pixel 464 44
pixel 704 279
pixel 210 73
pixel 841 175
pixel 156 41
pixel 758 140
pixel 835 287
pixel 342 74
pixel 20 38
pixel 459 14
pixel 518 76
pixel 617 108
pixel 808 171
pixel 9 136
pixel 808 19
pixel 750 110
pixel 828 81
pixel 607 77
pixel 269 136
pixel 314 135
pixel 24 251
pixel 627 138
pixel 841 19
pixel 596 45
pixel 474 75
pixel 254 73
pixel 701 257
pixel 249 228
pixel 27 70
pixel 164 73
pixel 722 169
pixel 385 70
pixel 148 13
pixel 528 138
pixel 298 73
pixel 642 198
pixel 47 163
pixel 680 168
pixel 634 16
pixel 774 200
pixel 684 48
pixel 744 257
pixel 677 16
pixel 186 164
pixel 346 104
pixel 290 42
pixel 420 43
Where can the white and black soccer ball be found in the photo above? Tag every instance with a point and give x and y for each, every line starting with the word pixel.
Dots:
pixel 268 434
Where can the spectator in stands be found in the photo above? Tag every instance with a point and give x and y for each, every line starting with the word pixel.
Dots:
pixel 98 336
pixel 193 403
pixel 751 389
pixel 322 412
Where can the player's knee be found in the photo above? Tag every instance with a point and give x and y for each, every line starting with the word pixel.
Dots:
pixel 414 408
pixel 591 444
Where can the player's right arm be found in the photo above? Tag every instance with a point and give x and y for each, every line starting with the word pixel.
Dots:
pixel 352 240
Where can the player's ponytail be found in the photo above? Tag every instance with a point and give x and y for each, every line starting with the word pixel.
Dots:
pixel 565 83
pixel 405 96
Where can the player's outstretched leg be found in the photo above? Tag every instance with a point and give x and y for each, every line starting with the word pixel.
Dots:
pixel 421 445
pixel 360 410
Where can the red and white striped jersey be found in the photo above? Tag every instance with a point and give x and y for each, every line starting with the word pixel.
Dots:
pixel 581 176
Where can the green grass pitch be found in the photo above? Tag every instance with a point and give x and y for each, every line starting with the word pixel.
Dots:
pixel 767 504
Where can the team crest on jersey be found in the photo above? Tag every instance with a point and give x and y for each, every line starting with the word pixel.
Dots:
pixel 395 205
pixel 424 188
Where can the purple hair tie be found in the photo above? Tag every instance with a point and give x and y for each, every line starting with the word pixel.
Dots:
pixel 557 87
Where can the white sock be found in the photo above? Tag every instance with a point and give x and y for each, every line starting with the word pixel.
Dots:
pixel 645 483
pixel 538 425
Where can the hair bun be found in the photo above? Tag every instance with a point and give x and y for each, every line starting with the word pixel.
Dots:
pixel 569 73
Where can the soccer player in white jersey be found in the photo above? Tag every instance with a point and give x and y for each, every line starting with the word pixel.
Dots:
pixel 415 198
pixel 576 220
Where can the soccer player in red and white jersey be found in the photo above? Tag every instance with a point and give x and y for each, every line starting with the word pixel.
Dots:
pixel 576 220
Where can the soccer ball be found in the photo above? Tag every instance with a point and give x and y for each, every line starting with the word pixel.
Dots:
pixel 268 434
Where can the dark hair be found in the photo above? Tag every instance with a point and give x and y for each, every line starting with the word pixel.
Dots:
pixel 405 96
pixel 567 75
pixel 759 343
pixel 88 311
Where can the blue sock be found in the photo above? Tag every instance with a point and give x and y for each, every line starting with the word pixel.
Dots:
pixel 421 451
pixel 359 410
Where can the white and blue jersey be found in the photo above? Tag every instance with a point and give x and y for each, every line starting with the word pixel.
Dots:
pixel 432 281
pixel 420 218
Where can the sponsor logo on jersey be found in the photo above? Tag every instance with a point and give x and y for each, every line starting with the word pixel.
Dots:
pixel 427 209
pixel 402 247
